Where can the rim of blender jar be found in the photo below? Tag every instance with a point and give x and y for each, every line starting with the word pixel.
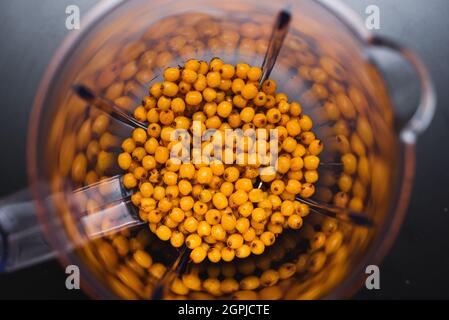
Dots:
pixel 90 284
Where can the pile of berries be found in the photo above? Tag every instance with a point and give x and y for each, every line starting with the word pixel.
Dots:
pixel 215 208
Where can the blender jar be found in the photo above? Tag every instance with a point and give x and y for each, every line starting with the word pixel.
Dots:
pixel 328 62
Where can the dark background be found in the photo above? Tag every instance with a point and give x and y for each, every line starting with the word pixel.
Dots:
pixel 415 268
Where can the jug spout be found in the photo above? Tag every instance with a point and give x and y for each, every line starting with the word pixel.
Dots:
pixel 414 102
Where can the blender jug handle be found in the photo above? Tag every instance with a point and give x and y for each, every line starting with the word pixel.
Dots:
pixel 422 115
pixel 22 242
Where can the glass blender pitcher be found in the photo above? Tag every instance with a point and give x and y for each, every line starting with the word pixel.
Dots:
pixel 329 62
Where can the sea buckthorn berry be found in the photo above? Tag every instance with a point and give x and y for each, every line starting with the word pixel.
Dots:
pixel 260 99
pixel 243 251
pixel 156 90
pixel 289 144
pixel 225 85
pixel 249 235
pixel 254 74
pixel 284 107
pixel 257 247
pixel 249 91
pixel 163 103
pixel 198 254
pixel 170 89
pixel 154 130
pixel 129 181
pixel 210 108
pixel 239 101
pixel 146 189
pixel 307 137
pixel 184 87
pixel 287 208
pixel 163 232
pixel 138 154
pixel 247 114
pixel 192 64
pixel 178 105
pixel 293 186
pixel 200 208
pixel 242 225
pixel 231 174
pixel 190 223
pixel 315 147
pixel 294 221
pixel 187 171
pixel 213 216
pixel 237 86
pixel 241 70
pixel 213 79
pixel 283 164
pixel 214 255
pixel 311 162
pixel 215 64
pixel 258 215
pixel 189 76
pixel 269 86
pixel 152 115
pixel 307 190
pixel 219 200
pixel 200 83
pixel 273 115
pixel 204 175
pixel 349 163
pixel 246 209
pixel 185 187
pixel 193 241
pixel 140 114
pixel 161 155
pixel 128 145
pixel 293 128
pixel 217 167
pixel 269 278
pixel 227 254
pixel 244 184
pixel 204 229
pixel 250 283
pixel 139 135
pixel 311 176
pixel 260 120
pixel 267 238
pixel 227 71
pixel 228 221
pixel 177 215
pixel 186 203
pixel 238 198
pixel 124 160
pixel 277 187
pixel 205 196
pixel 235 241
pixel 194 98
pixel 172 74
pixel 306 123
pixel 218 233
pixel 295 109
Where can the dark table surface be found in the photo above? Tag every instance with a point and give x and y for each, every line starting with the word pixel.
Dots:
pixel 417 265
